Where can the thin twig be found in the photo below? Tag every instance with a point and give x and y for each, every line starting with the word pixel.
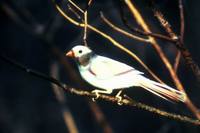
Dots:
pixel 114 42
pixel 177 61
pixel 88 4
pixel 165 24
pixel 143 24
pixel 85 28
pixel 182 21
pixel 125 102
pixel 73 11
pixel 86 22
pixel 182 30
pixel 122 31
pixel 146 28
pixel 75 5
pixel 140 20
pixel 141 32
pixel 180 44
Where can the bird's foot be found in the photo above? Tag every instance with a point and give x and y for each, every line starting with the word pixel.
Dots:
pixel 119 102
pixel 97 95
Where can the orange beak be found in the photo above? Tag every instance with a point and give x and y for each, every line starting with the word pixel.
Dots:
pixel 70 54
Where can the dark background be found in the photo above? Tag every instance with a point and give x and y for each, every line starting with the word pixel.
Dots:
pixel 28 104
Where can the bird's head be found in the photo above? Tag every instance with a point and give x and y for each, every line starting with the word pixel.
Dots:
pixel 82 54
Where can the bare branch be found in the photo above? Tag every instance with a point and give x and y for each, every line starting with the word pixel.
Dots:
pixel 180 44
pixel 114 42
pixel 182 21
pixel 165 24
pixel 125 102
pixel 136 14
pixel 141 32
pixel 122 31
pixel 177 61
pixel 59 93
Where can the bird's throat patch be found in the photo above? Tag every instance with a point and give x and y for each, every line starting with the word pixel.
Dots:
pixel 84 60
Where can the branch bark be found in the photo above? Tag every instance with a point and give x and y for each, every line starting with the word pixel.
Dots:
pixel 126 101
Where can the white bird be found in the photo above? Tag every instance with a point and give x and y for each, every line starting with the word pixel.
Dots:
pixel 108 75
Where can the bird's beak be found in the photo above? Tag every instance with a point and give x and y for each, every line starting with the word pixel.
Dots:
pixel 70 54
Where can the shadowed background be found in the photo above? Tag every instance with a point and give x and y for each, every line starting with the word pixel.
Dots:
pixel 42 36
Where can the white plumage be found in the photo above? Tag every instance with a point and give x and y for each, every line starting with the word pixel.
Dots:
pixel 109 74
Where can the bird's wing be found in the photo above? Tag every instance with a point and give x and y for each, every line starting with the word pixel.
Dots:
pixel 104 68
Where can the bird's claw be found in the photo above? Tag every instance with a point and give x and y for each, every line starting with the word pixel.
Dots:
pixel 97 95
pixel 119 101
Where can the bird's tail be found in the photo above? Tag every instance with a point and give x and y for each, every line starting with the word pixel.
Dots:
pixel 161 90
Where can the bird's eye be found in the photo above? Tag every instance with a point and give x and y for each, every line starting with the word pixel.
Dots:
pixel 80 51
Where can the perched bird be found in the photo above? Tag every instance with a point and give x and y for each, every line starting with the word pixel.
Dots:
pixel 108 75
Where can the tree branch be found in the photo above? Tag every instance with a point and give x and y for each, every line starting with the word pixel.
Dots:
pixel 125 102
pixel 180 42
pixel 139 19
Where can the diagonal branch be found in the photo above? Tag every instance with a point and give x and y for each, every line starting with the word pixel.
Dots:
pixel 126 101
pixel 180 42
pixel 122 31
pixel 142 32
pixel 139 19
pixel 114 42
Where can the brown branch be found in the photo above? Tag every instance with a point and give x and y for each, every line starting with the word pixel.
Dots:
pixel 189 60
pixel 182 21
pixel 184 52
pixel 85 28
pixel 60 96
pixel 141 32
pixel 180 44
pixel 140 20
pixel 126 101
pixel 122 31
pixel 177 61
pixel 165 24
pixel 136 14
pixel 182 30
pixel 129 102
pixel 100 118
pixel 114 42
pixel 156 35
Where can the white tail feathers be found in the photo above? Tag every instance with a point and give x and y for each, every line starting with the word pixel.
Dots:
pixel 161 90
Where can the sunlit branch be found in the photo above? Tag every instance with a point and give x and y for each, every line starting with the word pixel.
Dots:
pixel 75 5
pixel 122 31
pixel 126 101
pixel 111 40
pixel 177 61
pixel 136 14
